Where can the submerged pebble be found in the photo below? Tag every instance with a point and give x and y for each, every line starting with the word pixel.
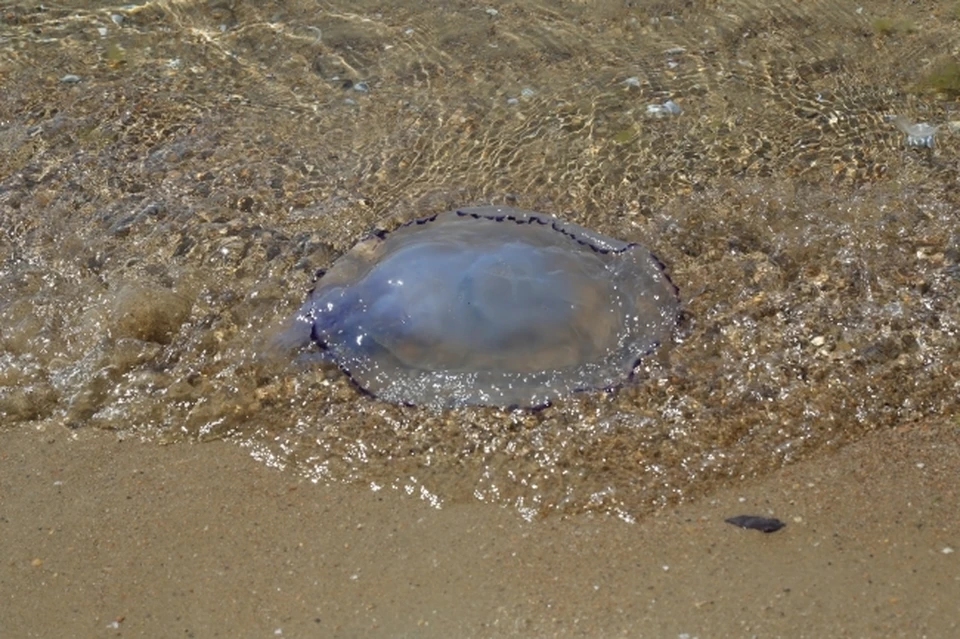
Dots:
pixel 661 110
pixel 491 306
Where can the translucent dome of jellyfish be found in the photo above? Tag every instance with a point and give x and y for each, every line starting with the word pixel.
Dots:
pixel 488 306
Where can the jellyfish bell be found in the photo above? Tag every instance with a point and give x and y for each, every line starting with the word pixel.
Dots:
pixel 490 306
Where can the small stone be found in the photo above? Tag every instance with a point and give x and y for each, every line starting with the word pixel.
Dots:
pixel 947 550
pixel 752 522
pixel 661 110
pixel 492 12
pixel 632 82
pixel 672 107
pixel 70 79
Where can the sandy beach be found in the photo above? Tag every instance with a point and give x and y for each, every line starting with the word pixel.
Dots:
pixel 111 538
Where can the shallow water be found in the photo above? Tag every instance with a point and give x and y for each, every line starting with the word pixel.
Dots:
pixel 162 215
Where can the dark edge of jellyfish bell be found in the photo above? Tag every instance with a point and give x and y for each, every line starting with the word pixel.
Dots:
pixel 665 272
pixel 639 358
pixel 382 234
pixel 322 345
pixel 316 281
pixel 356 384
pixel 557 225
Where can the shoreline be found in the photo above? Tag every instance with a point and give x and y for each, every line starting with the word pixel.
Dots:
pixel 111 537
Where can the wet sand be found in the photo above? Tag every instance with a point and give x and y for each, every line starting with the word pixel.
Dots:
pixel 110 537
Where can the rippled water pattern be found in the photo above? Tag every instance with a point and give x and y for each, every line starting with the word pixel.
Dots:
pixel 172 174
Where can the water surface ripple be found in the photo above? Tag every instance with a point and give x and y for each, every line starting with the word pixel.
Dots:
pixel 173 174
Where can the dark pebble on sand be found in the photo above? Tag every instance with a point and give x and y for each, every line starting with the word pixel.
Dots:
pixel 763 524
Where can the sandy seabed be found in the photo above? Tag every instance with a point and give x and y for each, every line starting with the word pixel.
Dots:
pixel 109 537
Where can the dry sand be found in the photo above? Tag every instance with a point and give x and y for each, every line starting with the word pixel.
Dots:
pixel 104 537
